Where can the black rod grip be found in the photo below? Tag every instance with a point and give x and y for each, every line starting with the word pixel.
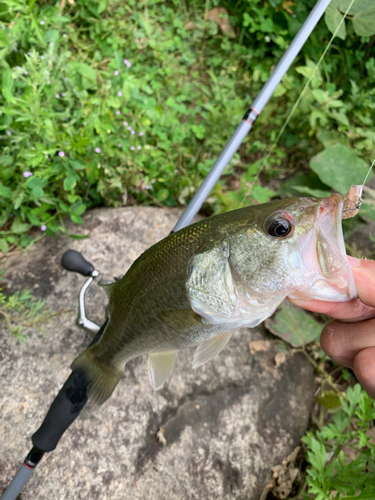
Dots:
pixel 75 261
pixel 64 409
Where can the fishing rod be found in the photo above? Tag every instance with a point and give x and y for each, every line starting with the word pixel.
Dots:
pixel 73 395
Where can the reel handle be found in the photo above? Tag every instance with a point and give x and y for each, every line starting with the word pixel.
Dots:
pixel 75 262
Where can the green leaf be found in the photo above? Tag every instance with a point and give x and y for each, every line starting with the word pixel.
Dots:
pixel 357 6
pixel 294 326
pixel 5 192
pixel 333 18
pixel 315 193
pixel 76 218
pixel 320 95
pixel 78 236
pixel 19 227
pixel 262 194
pixel 33 219
pixel 4 247
pixel 339 168
pixel 7 85
pixel 364 22
pixel 6 160
pixel 70 182
pixel 199 130
pixel 79 208
pixel 367 210
pixel 88 75
pixel 330 400
pixel 102 6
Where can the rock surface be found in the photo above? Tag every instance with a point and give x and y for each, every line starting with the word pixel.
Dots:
pixel 224 425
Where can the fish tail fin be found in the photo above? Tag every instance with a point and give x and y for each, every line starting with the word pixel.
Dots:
pixel 102 377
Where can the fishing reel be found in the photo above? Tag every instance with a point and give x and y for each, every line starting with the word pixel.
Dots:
pixel 75 262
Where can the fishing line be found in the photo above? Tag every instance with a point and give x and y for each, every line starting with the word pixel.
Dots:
pixel 368 173
pixel 300 97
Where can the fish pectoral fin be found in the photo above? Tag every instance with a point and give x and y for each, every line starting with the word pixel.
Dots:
pixel 210 348
pixel 160 366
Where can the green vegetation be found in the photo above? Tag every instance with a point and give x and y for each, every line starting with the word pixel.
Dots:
pixel 107 103
pixel 342 453
pixel 21 311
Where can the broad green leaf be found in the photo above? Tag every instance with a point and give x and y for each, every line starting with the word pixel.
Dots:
pixel 5 192
pixel 79 208
pixel 364 22
pixel 320 95
pixel 262 194
pixel 33 219
pixel 333 18
pixel 88 75
pixel 4 247
pixel 339 117
pixel 76 218
pixel 315 193
pixel 70 182
pixel 330 400
pixel 19 227
pixel 199 130
pixel 357 6
pixel 339 168
pixel 368 211
pixel 294 326
pixel 6 160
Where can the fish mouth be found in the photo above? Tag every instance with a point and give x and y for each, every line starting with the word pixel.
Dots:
pixel 330 246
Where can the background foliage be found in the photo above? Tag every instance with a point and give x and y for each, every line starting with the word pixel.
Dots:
pixel 111 102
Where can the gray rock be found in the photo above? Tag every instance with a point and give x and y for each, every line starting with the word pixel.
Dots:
pixel 224 425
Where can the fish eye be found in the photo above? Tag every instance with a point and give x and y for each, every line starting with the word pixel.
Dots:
pixel 279 226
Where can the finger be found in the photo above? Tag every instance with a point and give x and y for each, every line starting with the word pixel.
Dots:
pixel 343 341
pixel 353 310
pixel 364 277
pixel 362 308
pixel 364 368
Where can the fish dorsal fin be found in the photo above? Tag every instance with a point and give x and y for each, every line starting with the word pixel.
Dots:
pixel 107 286
pixel 160 366
pixel 210 348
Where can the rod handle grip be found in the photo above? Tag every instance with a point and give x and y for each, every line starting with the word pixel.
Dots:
pixel 64 409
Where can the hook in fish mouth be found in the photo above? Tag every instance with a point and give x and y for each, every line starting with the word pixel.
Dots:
pixel 352 202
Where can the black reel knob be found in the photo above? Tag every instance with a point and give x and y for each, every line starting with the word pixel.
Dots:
pixel 75 262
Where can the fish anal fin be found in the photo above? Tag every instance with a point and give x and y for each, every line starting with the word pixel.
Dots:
pixel 210 348
pixel 102 378
pixel 160 366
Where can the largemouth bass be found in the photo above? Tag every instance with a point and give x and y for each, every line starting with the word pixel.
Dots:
pixel 196 286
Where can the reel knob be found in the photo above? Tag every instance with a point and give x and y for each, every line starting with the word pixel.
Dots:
pixel 75 262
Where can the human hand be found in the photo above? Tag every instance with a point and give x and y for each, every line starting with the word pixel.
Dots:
pixel 350 338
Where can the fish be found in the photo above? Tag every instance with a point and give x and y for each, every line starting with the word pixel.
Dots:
pixel 194 287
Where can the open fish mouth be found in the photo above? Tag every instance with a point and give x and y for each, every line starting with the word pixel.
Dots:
pixel 330 247
pixel 327 272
